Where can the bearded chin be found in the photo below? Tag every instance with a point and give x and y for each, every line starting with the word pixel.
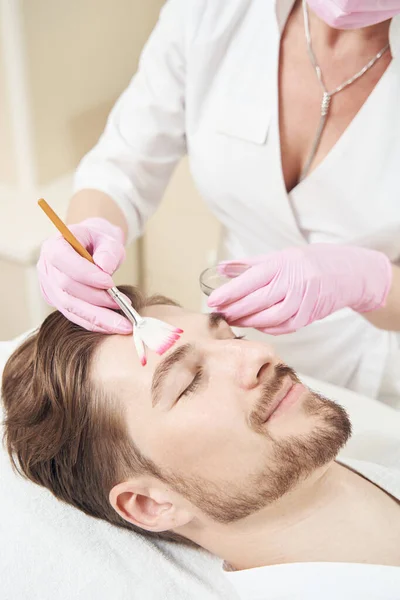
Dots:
pixel 297 457
pixel 292 461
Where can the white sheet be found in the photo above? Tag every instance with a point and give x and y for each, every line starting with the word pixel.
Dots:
pixel 51 551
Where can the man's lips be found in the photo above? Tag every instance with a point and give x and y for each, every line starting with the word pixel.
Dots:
pixel 284 390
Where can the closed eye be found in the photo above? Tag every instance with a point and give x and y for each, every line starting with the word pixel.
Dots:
pixel 198 379
pixel 194 385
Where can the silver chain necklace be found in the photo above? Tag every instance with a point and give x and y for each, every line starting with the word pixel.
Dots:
pixel 327 96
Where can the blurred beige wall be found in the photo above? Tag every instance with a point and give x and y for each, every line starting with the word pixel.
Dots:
pixel 7 150
pixel 81 55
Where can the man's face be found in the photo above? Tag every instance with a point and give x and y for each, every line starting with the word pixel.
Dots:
pixel 199 412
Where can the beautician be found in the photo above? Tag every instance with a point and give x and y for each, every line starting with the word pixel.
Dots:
pixel 290 115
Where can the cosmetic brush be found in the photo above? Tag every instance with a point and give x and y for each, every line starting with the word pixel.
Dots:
pixel 147 331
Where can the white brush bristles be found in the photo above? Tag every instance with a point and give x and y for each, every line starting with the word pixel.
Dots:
pixel 154 334
pixel 139 347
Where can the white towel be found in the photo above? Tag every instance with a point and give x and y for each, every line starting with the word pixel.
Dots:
pixel 51 551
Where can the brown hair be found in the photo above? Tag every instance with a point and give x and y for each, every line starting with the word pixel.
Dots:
pixel 61 431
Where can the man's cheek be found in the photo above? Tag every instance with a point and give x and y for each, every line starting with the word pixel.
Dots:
pixel 199 439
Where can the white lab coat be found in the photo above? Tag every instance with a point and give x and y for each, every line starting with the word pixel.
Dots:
pixel 207 86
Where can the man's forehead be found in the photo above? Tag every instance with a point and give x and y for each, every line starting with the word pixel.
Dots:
pixel 116 358
pixel 176 316
pixel 166 312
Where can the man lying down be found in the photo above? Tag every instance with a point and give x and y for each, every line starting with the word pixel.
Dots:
pixel 216 444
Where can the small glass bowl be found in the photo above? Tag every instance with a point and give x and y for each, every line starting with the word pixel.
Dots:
pixel 210 279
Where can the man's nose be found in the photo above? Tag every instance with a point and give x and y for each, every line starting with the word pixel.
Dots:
pixel 249 363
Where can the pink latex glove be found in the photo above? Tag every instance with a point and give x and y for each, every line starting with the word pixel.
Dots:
pixel 77 287
pixel 287 290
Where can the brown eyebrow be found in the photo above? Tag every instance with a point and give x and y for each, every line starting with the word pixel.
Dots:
pixel 163 369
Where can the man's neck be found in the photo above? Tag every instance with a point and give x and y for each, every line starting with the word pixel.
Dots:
pixel 297 528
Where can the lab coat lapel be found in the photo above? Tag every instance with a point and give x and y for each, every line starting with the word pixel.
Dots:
pixel 249 108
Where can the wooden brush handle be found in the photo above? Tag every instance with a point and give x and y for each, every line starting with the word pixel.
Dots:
pixel 65 232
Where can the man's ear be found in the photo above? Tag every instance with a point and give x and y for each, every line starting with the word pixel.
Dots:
pixel 147 507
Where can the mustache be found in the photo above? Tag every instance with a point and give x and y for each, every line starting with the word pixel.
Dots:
pixel 268 392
